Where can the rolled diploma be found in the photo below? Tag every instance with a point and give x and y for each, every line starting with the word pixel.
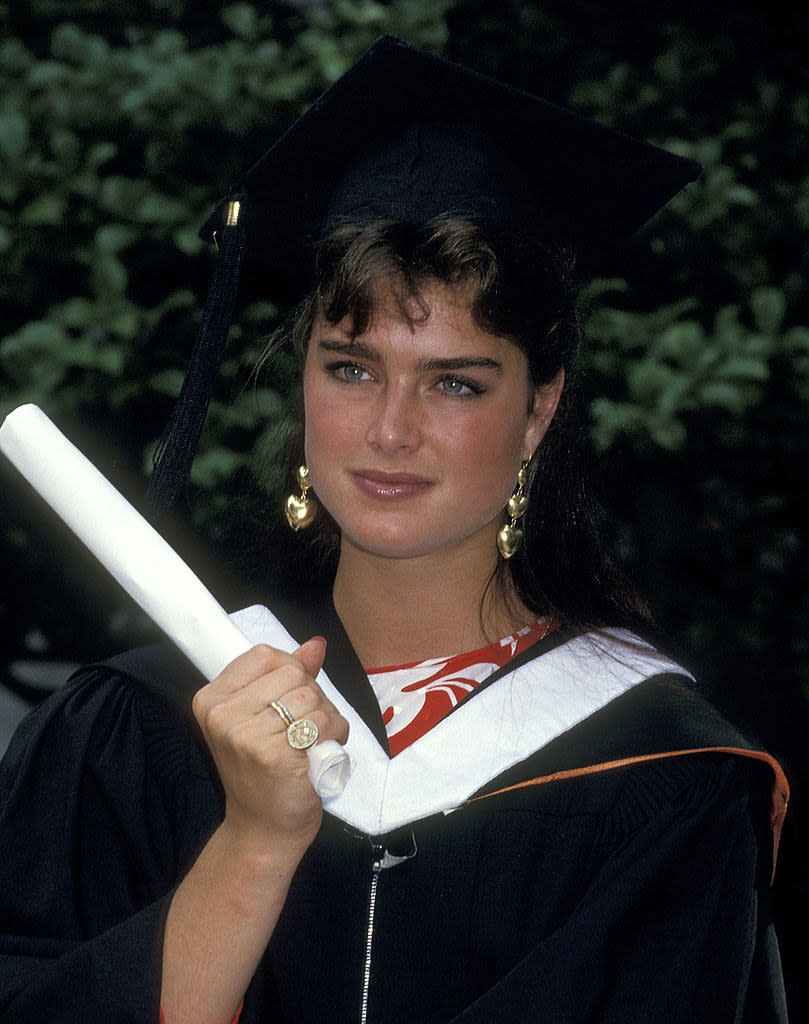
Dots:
pixel 148 569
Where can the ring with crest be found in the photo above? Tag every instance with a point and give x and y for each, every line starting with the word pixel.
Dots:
pixel 301 732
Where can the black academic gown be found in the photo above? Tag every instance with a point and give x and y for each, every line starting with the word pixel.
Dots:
pixel 594 880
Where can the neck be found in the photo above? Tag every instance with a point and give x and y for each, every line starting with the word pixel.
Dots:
pixel 401 610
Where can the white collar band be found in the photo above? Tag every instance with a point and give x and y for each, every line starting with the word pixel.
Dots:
pixel 501 725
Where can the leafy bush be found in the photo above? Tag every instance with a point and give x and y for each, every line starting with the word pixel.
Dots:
pixel 120 126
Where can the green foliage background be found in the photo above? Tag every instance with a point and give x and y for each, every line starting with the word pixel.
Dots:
pixel 122 123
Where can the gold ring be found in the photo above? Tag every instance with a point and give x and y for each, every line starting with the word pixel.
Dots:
pixel 301 732
pixel 283 711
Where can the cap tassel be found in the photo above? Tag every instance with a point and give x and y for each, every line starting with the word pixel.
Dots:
pixel 176 449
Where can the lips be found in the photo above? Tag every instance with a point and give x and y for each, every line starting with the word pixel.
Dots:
pixel 378 484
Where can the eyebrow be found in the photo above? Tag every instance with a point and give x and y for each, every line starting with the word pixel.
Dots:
pixel 348 348
pixel 359 350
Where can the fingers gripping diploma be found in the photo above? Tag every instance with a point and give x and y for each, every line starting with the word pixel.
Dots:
pixel 266 781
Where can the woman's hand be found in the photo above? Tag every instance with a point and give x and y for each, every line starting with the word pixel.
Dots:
pixel 269 797
pixel 224 911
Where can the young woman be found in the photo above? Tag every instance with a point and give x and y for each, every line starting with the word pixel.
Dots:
pixel 543 821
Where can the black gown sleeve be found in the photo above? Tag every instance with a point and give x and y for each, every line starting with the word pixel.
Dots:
pixel 674 924
pixel 106 800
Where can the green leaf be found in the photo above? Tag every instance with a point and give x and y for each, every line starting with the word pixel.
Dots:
pixel 37 336
pixel 769 308
pixel 212 467
pixel 13 135
pixel 46 210
pixel 125 324
pixel 648 379
pixel 669 434
pixel 241 19
pixel 122 196
pixel 110 360
pixel 796 341
pixel 76 314
pixel 167 382
pixel 725 395
pixel 745 368
pixel 682 342
pixel 187 240
pixel 112 238
pixel 108 277
pixel 99 153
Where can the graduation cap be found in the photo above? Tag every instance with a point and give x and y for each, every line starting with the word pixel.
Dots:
pixel 407 136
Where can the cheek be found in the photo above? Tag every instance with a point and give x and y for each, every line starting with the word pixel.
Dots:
pixel 328 434
pixel 488 456
pixel 499 436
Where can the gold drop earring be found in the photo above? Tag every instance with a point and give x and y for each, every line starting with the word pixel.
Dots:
pixel 301 511
pixel 510 537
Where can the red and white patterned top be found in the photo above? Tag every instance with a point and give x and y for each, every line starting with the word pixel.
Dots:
pixel 414 697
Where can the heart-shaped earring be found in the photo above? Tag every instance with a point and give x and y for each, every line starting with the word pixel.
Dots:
pixel 509 540
pixel 301 511
pixel 510 537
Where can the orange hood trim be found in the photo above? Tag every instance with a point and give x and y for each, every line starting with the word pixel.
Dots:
pixel 779 796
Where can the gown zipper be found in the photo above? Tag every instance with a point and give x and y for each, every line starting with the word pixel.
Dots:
pixel 382 859
pixel 376 870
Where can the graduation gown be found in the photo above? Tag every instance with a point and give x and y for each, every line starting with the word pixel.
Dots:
pixel 605 859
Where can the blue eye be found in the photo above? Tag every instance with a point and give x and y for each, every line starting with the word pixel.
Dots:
pixel 459 386
pixel 351 373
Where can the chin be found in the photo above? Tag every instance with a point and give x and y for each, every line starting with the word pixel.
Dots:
pixel 404 544
pixel 386 547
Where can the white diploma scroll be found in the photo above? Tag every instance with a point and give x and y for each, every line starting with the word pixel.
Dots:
pixel 148 569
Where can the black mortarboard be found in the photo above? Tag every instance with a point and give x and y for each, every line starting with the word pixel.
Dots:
pixel 407 136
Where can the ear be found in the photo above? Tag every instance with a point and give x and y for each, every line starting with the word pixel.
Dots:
pixel 546 400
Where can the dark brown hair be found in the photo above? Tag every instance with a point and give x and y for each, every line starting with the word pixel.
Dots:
pixel 520 292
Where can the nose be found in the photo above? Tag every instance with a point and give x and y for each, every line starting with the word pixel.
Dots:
pixel 394 425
